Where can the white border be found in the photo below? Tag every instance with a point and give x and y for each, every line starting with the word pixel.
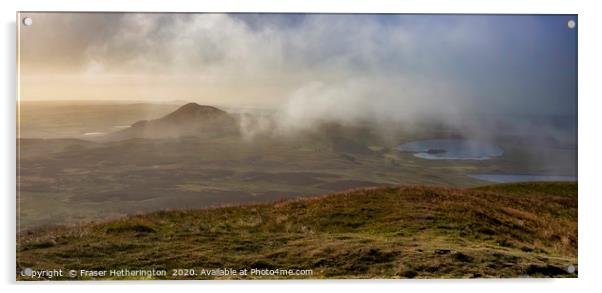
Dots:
pixel 589 23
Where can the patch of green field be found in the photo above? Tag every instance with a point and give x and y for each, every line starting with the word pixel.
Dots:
pixel 509 230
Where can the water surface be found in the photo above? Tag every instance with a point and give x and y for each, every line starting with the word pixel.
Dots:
pixel 94 133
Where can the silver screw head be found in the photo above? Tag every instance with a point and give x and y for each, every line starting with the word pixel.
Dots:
pixel 571 24
pixel 27 21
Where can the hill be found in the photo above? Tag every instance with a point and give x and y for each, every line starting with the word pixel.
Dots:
pixel 509 230
pixel 193 112
pixel 190 119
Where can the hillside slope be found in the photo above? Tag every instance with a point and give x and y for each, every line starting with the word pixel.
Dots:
pixel 511 230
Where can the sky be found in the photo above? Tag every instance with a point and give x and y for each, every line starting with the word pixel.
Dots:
pixel 339 65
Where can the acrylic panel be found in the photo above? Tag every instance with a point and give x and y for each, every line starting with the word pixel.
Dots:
pixel 178 146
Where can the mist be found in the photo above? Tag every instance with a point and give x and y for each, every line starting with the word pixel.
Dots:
pixel 312 68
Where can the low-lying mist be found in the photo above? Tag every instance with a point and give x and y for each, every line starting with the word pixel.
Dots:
pixel 386 109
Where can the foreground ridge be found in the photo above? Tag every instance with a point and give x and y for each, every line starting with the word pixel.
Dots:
pixel 508 230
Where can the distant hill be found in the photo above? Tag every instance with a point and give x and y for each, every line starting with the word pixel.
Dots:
pixel 190 119
pixel 510 230
pixel 193 113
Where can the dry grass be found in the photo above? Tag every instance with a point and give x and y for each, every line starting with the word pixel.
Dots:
pixel 507 230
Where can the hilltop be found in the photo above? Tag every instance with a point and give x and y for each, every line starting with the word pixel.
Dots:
pixel 192 112
pixel 190 119
pixel 510 230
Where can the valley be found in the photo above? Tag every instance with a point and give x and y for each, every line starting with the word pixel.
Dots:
pixel 70 181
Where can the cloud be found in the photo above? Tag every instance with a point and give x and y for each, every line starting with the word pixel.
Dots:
pixel 342 67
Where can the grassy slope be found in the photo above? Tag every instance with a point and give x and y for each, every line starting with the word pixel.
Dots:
pixel 508 230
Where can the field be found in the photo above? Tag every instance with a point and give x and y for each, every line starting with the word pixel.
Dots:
pixel 68 181
pixel 512 230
